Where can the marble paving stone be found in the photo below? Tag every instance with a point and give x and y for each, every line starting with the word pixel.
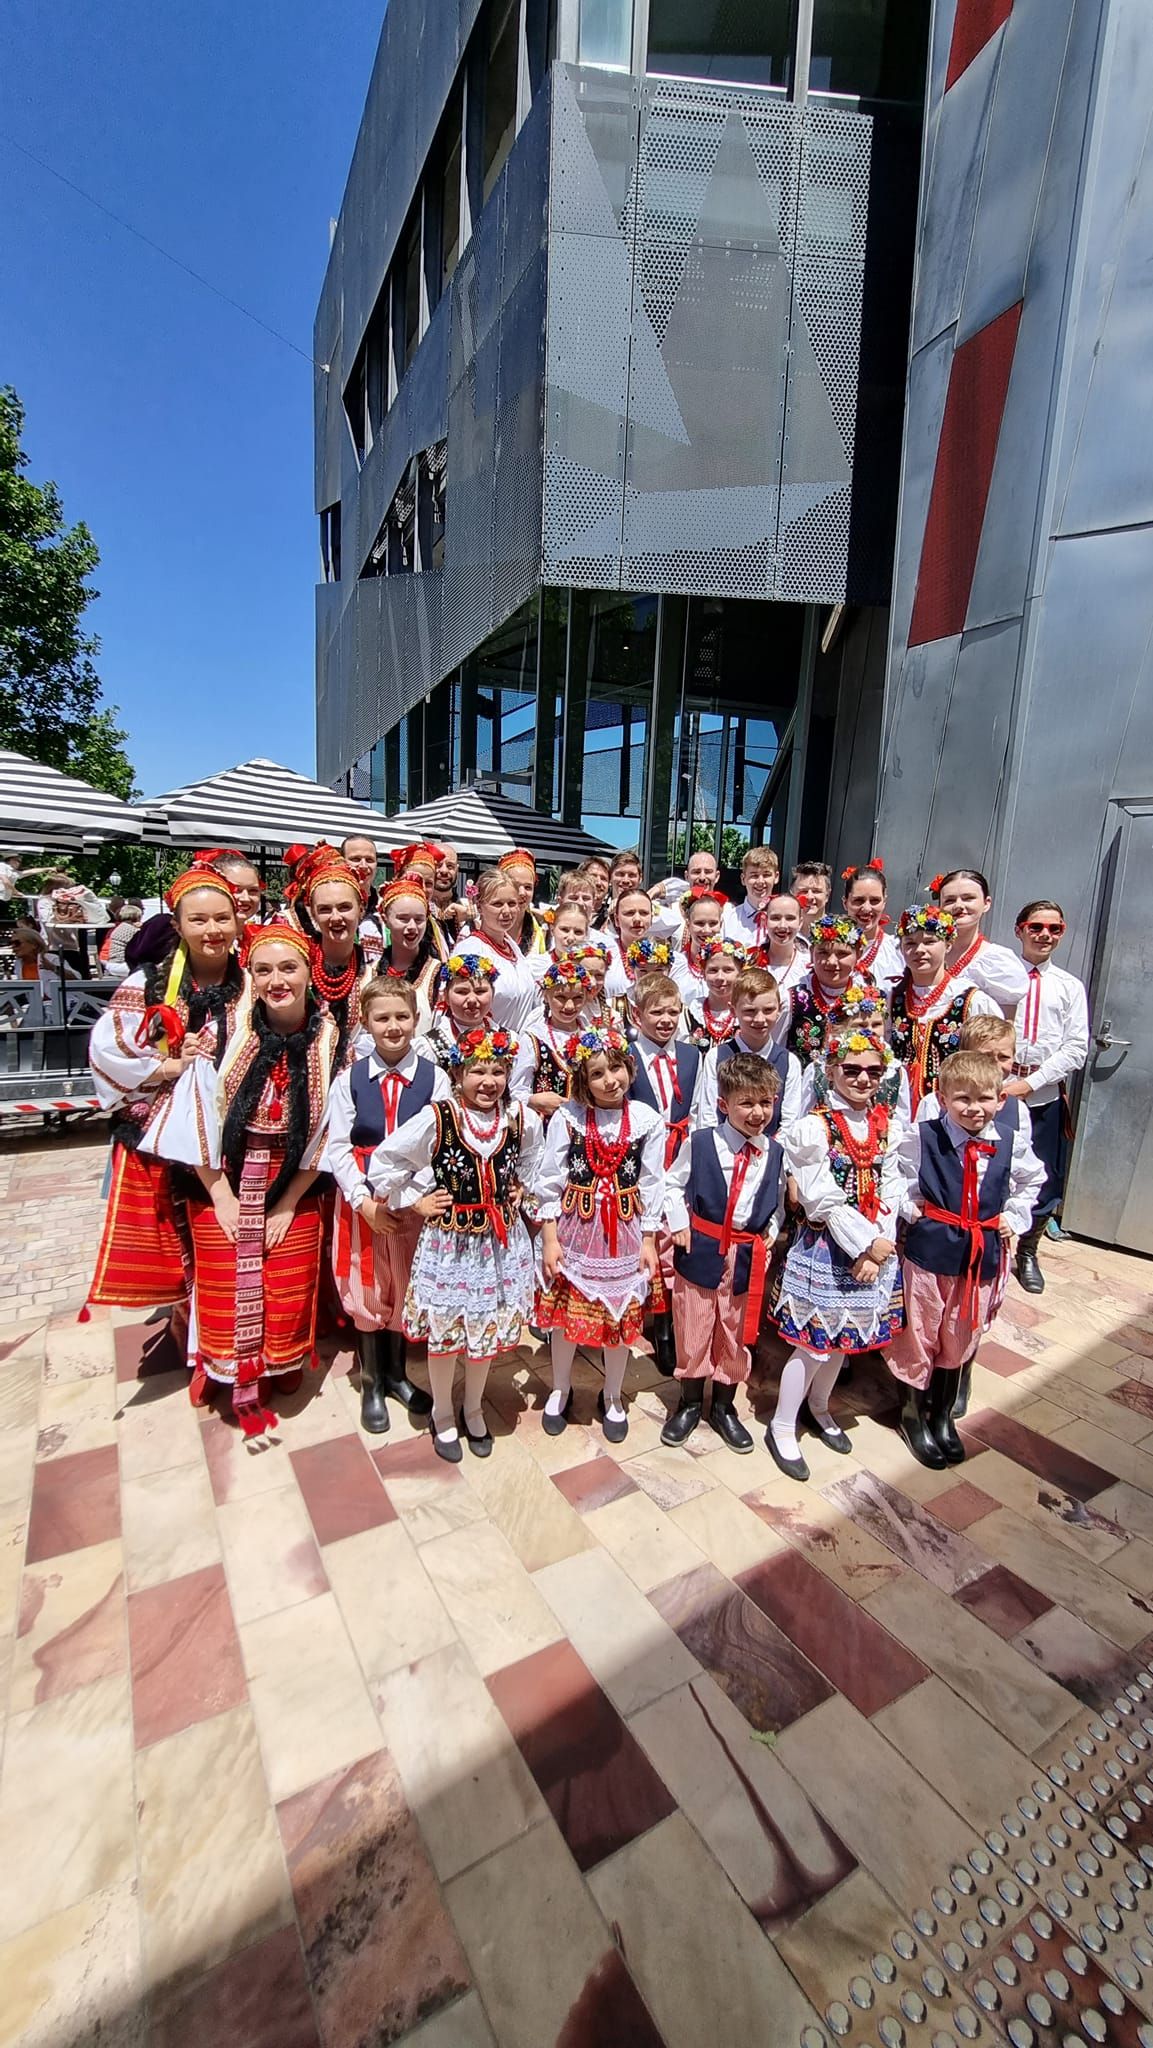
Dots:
pixel 463 1775
pixel 1085 1663
pixel 646 1542
pixel 879 1449
pixel 1076 1522
pixel 536 1518
pixel 169 1526
pixel 1128 1507
pixel 835 1633
pixel 308 1694
pixel 727 1531
pixel 497 1610
pixel 76 1351
pixel 597 1783
pixel 75 1416
pixel 17 1462
pixel 753 1817
pixel 270 1552
pixel 258 1999
pixel 955 1751
pixel 941 1556
pixel 752 1661
pixel 567 1984
pixel 462 2025
pixel 846 1554
pixel 75 1502
pixel 75 1977
pixel 380 1951
pixel 142 1349
pixel 593 1483
pixel 1049 1459
pixel 1024 1704
pixel 1134 1565
pixel 630 1651
pixel 65 1803
pixel 212 1876
pixel 71 1629
pixel 671 1476
pixel 659 1894
pixel 391 1609
pixel 1003 1602
pixel 1125 1461
pixel 430 1497
pixel 961 1505
pixel 890 1818
pixel 997 1358
pixel 826 1946
pixel 186 1662
pixel 1070 1581
pixel 157 1427
pixel 341 1488
pixel 319 1412
pixel 234 1471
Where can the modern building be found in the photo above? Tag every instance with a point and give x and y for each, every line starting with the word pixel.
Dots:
pixel 737 412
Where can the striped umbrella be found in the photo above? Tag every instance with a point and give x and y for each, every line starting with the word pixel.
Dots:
pixel 41 807
pixel 256 805
pixel 481 826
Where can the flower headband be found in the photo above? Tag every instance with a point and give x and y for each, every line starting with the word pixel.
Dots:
pixel 392 892
pixel 280 932
pixel 470 966
pixel 565 973
pixel 731 949
pixel 925 918
pixel 597 1040
pixel 857 1003
pixel 478 1046
pixel 842 1042
pixel 424 854
pixel 591 948
pixel 649 953
pixel 835 931
pixel 197 878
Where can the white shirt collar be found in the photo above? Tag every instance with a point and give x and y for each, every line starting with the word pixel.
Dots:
pixel 650 1050
pixel 725 1135
pixel 406 1067
pixel 959 1138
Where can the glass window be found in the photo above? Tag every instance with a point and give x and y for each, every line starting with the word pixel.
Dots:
pixel 607 33
pixel 871 49
pixel 500 89
pixel 354 406
pixel 450 202
pixel 412 288
pixel 749 42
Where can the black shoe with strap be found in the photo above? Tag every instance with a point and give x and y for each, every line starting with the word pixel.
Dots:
pixel 793 1468
pixel 480 1446
pixel 832 1434
pixel 914 1427
pixel 555 1425
pixel 727 1423
pixel 374 1415
pixel 942 1398
pixel 615 1432
pixel 684 1419
pixel 397 1384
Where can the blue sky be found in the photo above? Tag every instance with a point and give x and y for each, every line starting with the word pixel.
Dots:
pixel 179 431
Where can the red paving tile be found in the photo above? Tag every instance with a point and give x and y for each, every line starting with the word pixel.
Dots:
pixel 1041 1455
pixel 258 1999
pixel 855 1653
pixel 751 1659
pixel 1005 1363
pixel 594 1484
pixel 1003 1602
pixel 186 1661
pixel 341 1488
pixel 75 1502
pixel 1134 1394
pixel 962 1505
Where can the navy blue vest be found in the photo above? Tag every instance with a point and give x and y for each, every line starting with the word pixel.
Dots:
pixel 368 1101
pixel 688 1061
pixel 777 1057
pixel 707 1196
pixel 943 1247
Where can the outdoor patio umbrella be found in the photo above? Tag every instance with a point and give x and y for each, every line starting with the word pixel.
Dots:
pixel 41 807
pixel 256 805
pixel 482 826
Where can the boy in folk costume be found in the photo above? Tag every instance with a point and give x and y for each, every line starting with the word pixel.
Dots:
pixel 667 1078
pixel 1052 1045
pixel 812 880
pixel 542 1075
pixel 971 1179
pixel 723 1204
pixel 760 875
pixel 373 1249
pixel 757 1010
pixel 932 1000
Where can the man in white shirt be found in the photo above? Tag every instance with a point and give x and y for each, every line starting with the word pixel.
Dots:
pixel 1052 1045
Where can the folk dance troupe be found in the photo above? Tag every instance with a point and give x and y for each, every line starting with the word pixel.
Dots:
pixel 638 1119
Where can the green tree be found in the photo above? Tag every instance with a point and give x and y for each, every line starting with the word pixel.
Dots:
pixel 734 845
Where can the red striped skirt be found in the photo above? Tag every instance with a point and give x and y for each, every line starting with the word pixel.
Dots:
pixel 255 1308
pixel 143 1260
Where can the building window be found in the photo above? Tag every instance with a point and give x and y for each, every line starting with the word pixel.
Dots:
pixel 500 89
pixel 450 215
pixel 748 42
pixel 607 33
pixel 870 49
pixel 411 262
pixel 330 543
pixel 376 363
pixel 356 411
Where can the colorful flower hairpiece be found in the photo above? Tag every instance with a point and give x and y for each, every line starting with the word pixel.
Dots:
pixel 729 949
pixel 592 948
pixel 565 973
pixel 839 1043
pixel 699 895
pixel 654 953
pixel 936 885
pixel 476 966
pixel 859 1001
pixel 872 867
pixel 598 1040
pixel 476 1047
pixel 928 919
pixel 831 930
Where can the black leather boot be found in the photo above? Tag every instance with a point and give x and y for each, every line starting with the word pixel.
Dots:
pixel 727 1423
pixel 664 1345
pixel 396 1382
pixel 683 1420
pixel 374 1416
pixel 964 1389
pixel 942 1396
pixel 914 1427
pixel 1028 1269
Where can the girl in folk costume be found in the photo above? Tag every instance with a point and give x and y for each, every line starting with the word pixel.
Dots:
pixel 569 926
pixel 836 944
pixel 593 955
pixel 600 1193
pixel 542 1076
pixel 783 951
pixel 411 953
pixel 464 1001
pixel 530 932
pixel 708 1024
pixel 839 1291
pixel 253 1134
pixel 996 971
pixel 163 1016
pixel 328 905
pixel 704 910
pixel 516 998
pixel 472 1282
pixel 865 895
pixel 930 1003
pixel 1052 1046
pixel 373 1249
pixel 861 1007
pixel 632 917
pixel 422 863
pixel 644 956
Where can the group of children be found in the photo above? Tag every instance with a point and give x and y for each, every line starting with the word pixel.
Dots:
pixel 691 1122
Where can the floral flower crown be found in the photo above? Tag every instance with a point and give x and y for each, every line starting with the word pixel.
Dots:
pixel 565 973
pixel 729 949
pixel 857 1003
pixel 649 953
pixel 926 918
pixel 478 1046
pixel 476 966
pixel 591 1044
pixel 841 1042
pixel 592 948
pixel 835 931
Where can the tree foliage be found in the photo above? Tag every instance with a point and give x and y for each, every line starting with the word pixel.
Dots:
pixel 734 845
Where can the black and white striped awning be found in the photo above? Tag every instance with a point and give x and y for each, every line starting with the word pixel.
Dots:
pixel 481 826
pixel 41 807
pixel 258 804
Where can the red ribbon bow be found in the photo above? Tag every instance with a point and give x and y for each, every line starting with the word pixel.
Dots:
pixel 170 1023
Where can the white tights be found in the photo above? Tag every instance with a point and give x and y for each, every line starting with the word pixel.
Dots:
pixel 811 1373
pixel 441 1376
pixel 616 1362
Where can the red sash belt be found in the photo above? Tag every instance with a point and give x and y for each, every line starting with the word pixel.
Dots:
pixel 975 1229
pixel 678 1132
pixel 497 1216
pixel 757 1274
pixel 352 1224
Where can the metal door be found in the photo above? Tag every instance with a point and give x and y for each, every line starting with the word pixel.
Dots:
pixel 1110 1194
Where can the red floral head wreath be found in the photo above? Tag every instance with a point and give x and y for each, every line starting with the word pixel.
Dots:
pixel 518 857
pixel 422 854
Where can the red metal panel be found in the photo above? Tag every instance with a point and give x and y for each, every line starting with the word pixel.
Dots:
pixel 974 407
pixel 976 21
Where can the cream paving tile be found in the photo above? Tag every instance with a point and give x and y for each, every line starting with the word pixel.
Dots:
pixel 1086 1528
pixel 555 1453
pixel 66 1808
pixel 391 1608
pixel 745 1475
pixel 855 1561
pixel 1086 1589
pixel 645 1541
pixel 158 1427
pixel 169 1523
pixel 212 1874
pixel 629 1649
pixel 659 1894
pixel 727 1532
pixel 895 1824
pixel 1125 1460
pixel 77 1416
pixel 428 1504
pixel 670 1476
pixel 23 1370
pixel 1022 1702
pixel 956 1751
pixel 73 1625
pixel 534 1987
pixel 531 1513
pixel 882 1451
pixel 463 1775
pixel 79 1351
pixel 13 1530
pixel 238 1473
pixel 1090 1405
pixel 17 1457
pixel 1126 1505
pixel 644 1433
pixel 1134 1566
pixel 498 1613
pixel 270 1552
pixel 462 2025
pixel 835 1938
pixel 308 1694
pixel 75 1977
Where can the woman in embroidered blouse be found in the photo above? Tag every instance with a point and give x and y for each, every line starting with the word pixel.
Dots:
pixel 516 997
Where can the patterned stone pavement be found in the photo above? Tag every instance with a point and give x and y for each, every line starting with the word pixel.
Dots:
pixel 331 1746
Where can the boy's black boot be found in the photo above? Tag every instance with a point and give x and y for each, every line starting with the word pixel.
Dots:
pixel 942 1396
pixel 725 1420
pixel 1028 1268
pixel 684 1419
pixel 964 1389
pixel 374 1416
pixel 664 1345
pixel 914 1427
pixel 396 1382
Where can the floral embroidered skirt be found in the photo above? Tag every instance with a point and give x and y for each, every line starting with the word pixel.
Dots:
pixel 818 1304
pixel 468 1292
